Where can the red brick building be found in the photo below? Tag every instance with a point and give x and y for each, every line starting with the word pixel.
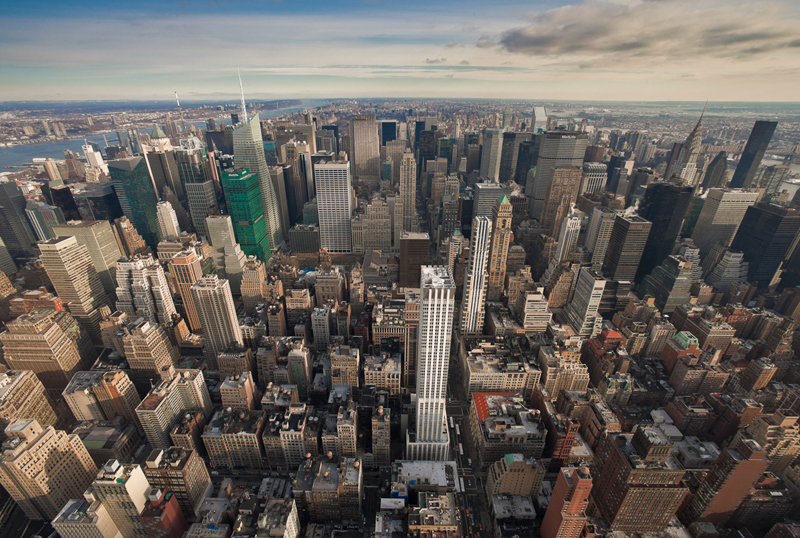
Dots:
pixel 566 513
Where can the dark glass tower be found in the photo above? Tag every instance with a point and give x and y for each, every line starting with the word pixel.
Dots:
pixel 665 204
pixel 716 172
pixel 764 237
pixel 137 196
pixel 243 196
pixel 669 284
pixel 624 254
pixel 753 153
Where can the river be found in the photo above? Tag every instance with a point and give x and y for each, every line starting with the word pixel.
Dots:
pixel 25 153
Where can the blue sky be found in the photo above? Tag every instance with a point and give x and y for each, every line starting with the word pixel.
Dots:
pixel 547 49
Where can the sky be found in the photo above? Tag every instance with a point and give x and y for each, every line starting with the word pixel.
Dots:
pixel 643 50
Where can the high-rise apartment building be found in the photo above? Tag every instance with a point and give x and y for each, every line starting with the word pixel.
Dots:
pixel 168 226
pixel 720 217
pixel 566 514
pixel 753 152
pixel 246 207
pixel 49 343
pixel 414 253
pixel 334 201
pixel 22 395
pixel 365 147
pixel 498 250
pixel 665 205
pixel 43 468
pixel 557 149
pixel 185 268
pixel 625 247
pixel 137 196
pixel 72 272
pixel 217 314
pixel 473 298
pixel 248 149
pixel 764 237
pixel 430 441
pixel 102 245
pixel 143 291
pixel 490 156
pixel 408 192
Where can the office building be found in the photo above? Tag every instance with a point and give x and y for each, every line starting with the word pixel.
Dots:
pixel 143 291
pixel 513 474
pixel 99 239
pixel 408 192
pixel 593 177
pixel 81 518
pixel 129 240
pixel 753 152
pixel 473 297
pixel 764 237
pixel 181 472
pixel 378 226
pixel 561 195
pixel 148 349
pixel 217 314
pixel 498 249
pixel 683 161
pixel 581 313
pixel 233 439
pixel 43 468
pixel 491 154
pixel 665 205
pixel 501 423
pixel 730 478
pixel 197 178
pixel 625 247
pixel 49 343
pixel 15 229
pixel 557 149
pixel 334 201
pixel 168 226
pixel 229 258
pixel 22 395
pixel 239 391
pixel 365 147
pixel 669 284
pixel 566 513
pixel 245 205
pixel 414 253
pixel 430 441
pixel 720 217
pixel 248 149
pixel 72 272
pixel 123 490
pixel 598 234
pixel 43 217
pixel 637 482
pixel 137 196
pixel 185 269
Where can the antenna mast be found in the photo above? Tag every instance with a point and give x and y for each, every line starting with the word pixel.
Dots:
pixel 183 123
pixel 244 108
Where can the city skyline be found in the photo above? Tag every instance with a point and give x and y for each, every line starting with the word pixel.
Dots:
pixel 651 50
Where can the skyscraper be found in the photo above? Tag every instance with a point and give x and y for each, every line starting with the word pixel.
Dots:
pixel 143 291
pixel 123 490
pixel 408 192
pixel 562 193
pixel 185 269
pixel 430 441
pixel 684 164
pixel 15 230
pixel 593 178
pixel 566 514
pixel 625 246
pixel 197 178
pixel 75 279
pixel 137 196
pixel 720 217
pixel 473 297
pixel 43 468
pixel 665 205
pixel 581 312
pixel 753 152
pixel 669 284
pixel 498 251
pixel 334 201
pixel 365 147
pixel 538 120
pixel 23 395
pixel 245 204
pixel 598 234
pixel 148 349
pixel 557 149
pixel 217 313
pixel 102 245
pixel 168 225
pixel 248 149
pixel 229 258
pixel 716 175
pixel 764 237
pixel 490 156
pixel 414 253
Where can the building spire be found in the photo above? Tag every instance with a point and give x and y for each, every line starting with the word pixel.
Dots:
pixel 180 111
pixel 241 88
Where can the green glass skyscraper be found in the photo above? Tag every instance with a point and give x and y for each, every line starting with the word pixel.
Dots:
pixel 243 196
pixel 137 196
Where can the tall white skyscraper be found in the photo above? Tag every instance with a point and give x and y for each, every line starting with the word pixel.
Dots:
pixel 365 147
pixel 217 313
pixel 567 236
pixel 490 158
pixel 143 290
pixel 94 158
pixel 408 191
pixel 581 313
pixel 474 295
pixel 229 259
pixel 594 177
pixel 334 204
pixel 538 120
pixel 167 221
pixel 720 217
pixel 437 303
pixel 248 150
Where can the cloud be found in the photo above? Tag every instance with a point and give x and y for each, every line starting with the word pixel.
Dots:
pixel 463 62
pixel 451 45
pixel 485 43
pixel 435 60
pixel 674 29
